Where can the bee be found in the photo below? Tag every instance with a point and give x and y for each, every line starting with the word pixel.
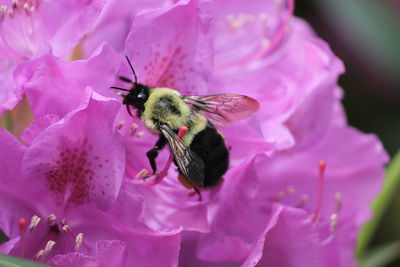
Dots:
pixel 187 123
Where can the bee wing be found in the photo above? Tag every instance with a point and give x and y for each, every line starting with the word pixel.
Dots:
pixel 224 108
pixel 189 163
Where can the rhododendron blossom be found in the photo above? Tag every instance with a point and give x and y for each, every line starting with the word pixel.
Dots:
pixel 73 194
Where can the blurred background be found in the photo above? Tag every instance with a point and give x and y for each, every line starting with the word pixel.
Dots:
pixel 366 36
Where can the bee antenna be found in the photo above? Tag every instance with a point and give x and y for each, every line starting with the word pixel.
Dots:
pixel 133 71
pixel 122 89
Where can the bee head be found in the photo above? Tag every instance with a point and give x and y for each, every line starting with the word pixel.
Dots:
pixel 137 96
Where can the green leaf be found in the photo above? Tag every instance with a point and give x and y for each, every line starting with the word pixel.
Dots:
pixel 9 261
pixel 379 206
pixel 381 256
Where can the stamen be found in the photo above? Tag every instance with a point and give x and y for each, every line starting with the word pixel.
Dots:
pixel 39 255
pixel 51 219
pixel 281 194
pixel 3 11
pixel 134 127
pixel 27 9
pixel 22 234
pixel 142 174
pixel 140 134
pixel 263 17
pixel 232 22
pixel 78 241
pixel 11 13
pixel 338 200
pixel 65 227
pixel 14 4
pixel 334 222
pixel 120 125
pixel 320 188
pixel 49 246
pixel 35 220
pixel 303 200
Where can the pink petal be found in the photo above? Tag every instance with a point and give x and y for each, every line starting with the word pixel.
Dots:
pixel 237 219
pixel 11 154
pixel 115 22
pixel 172 47
pixel 289 240
pixel 81 157
pixel 57 87
pixel 9 93
pixel 38 126
pixel 64 23
pixel 74 259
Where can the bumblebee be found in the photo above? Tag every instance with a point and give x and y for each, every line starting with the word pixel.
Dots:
pixel 187 124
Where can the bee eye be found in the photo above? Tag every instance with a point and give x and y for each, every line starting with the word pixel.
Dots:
pixel 141 97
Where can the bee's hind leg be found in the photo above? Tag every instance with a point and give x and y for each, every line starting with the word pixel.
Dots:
pixel 185 182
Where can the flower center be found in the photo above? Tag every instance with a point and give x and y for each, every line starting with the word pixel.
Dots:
pixel 39 240
pixel 17 30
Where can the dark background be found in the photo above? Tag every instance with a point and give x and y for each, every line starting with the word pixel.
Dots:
pixel 366 36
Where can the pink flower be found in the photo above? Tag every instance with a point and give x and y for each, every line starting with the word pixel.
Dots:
pixel 29 29
pixel 275 197
pixel 70 168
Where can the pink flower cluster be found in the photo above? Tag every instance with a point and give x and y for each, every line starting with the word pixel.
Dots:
pixel 300 179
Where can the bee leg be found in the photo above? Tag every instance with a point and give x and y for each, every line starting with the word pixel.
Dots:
pixel 198 192
pixel 153 153
pixel 160 144
pixel 185 182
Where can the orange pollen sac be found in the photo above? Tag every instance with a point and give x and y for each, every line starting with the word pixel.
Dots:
pixel 182 131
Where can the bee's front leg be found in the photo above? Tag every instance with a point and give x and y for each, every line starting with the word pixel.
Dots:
pixel 153 153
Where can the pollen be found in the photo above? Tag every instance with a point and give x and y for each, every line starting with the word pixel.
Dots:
pixel 35 220
pixel 133 129
pixel 120 125
pixel 78 241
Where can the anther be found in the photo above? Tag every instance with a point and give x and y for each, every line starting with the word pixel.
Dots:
pixel 78 241
pixel 27 9
pixel 65 227
pixel 142 174
pixel 120 125
pixel 338 201
pixel 232 22
pixel 11 13
pixel 39 255
pixel 281 194
pixel 320 188
pixel 133 129
pixel 140 134
pixel 35 220
pixel 333 222
pixel 14 4
pixel 49 246
pixel 51 219
pixel 263 17
pixel 303 200
pixel 22 234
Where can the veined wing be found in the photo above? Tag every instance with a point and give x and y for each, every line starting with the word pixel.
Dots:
pixel 190 164
pixel 224 108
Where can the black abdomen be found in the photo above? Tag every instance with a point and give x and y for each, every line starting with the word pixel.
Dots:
pixel 209 145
